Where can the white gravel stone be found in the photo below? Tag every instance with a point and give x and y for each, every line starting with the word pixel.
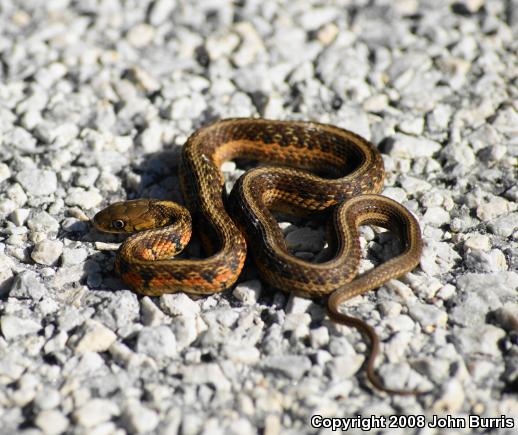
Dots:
pixel 208 373
pixel 477 242
pixel 73 256
pixel 27 285
pixel 181 108
pixel 506 120
pixel 26 390
pixel 251 44
pixel 157 342
pixel 482 341
pixel 139 418
pixel 493 261
pixel 412 126
pixel 345 366
pixel 20 139
pixel 151 314
pixel 294 321
pixel 144 79
pixel 86 199
pixel 436 216
pixel 95 412
pixel 187 329
pixel 160 10
pixel 319 337
pixel 5 172
pixel 16 193
pixel 428 316
pixel 401 145
pixel 47 252
pixel 219 46
pixel 47 398
pixel 14 327
pixel 52 422
pixel 247 292
pixel 414 185
pixel 125 357
pixel 107 428
pixel 93 337
pixel 452 397
pixel 297 305
pixel 478 293
pixel 86 177
pixel 119 311
pixel 19 216
pixel 446 292
pixel 291 366
pixel 151 138
pixel 140 35
pixel 56 343
pixel 108 182
pixel 41 221
pixel 439 119
pixel 243 354
pixel 6 273
pixel 395 193
pixel 7 207
pixel 37 182
pixel 179 304
pixel 504 226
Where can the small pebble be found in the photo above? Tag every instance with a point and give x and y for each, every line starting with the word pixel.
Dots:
pixel 248 292
pixel 47 252
pixel 206 373
pixel 150 313
pixel 291 366
pixel 86 199
pixel 138 418
pixel 14 327
pixel 95 412
pixel 27 285
pixel 179 304
pixel 158 342
pixel 37 182
pixel 93 337
pixel 504 226
pixel 405 146
pixel 52 422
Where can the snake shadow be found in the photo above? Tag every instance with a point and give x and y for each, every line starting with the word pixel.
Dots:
pixel 156 176
pixel 151 176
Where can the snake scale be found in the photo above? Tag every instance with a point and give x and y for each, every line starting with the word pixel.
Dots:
pixel 301 152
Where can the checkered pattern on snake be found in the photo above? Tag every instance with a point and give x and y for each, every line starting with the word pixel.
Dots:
pixel 301 153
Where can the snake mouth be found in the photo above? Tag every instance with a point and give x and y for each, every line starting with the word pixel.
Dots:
pixel 102 229
pixel 94 222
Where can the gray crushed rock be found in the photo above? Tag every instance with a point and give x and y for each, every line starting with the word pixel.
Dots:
pixel 96 100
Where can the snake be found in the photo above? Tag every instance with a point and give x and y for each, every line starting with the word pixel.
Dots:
pixel 305 169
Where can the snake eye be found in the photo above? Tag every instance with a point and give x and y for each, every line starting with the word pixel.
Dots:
pixel 118 224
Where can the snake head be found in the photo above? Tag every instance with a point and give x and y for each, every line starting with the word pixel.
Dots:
pixel 126 217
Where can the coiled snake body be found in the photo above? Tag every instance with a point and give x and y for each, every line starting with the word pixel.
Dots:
pixel 303 150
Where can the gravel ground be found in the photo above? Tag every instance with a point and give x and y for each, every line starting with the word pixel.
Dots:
pixel 96 100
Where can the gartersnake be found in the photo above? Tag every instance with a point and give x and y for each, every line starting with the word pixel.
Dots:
pixel 301 150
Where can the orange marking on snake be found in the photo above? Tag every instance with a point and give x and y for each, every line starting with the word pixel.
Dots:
pixel 300 152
